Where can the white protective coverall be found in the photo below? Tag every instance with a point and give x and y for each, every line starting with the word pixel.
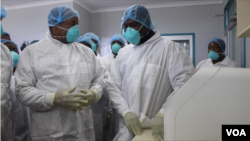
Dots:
pixel 227 62
pixel 142 78
pixel 19 116
pixel 50 66
pixel 6 73
pixel 98 55
pixel 110 57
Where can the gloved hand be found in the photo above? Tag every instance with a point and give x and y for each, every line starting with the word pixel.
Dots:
pixel 133 123
pixel 157 127
pixel 90 96
pixel 69 100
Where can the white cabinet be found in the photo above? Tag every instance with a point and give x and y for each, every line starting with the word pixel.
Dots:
pixel 243 18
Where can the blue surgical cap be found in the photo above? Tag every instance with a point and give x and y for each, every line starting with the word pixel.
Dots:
pixel 85 39
pixel 34 41
pixel 6 33
pixel 117 37
pixel 3 12
pixel 60 14
pixel 8 41
pixel 221 43
pixel 92 36
pixel 140 14
pixel 81 39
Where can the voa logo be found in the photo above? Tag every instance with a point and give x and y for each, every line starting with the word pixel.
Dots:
pixel 236 132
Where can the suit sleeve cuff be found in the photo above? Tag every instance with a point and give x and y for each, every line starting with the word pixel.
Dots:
pixel 49 100
pixel 96 94
pixel 125 111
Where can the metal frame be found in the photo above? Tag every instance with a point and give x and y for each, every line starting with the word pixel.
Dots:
pixel 228 5
pixel 192 48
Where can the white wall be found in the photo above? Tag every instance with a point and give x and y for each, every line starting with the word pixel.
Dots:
pixel 189 19
pixel 105 25
pixel 84 22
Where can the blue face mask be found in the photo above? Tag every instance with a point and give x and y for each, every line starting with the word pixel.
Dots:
pixel 93 46
pixel 1 28
pixel 115 48
pixel 214 55
pixel 15 58
pixel 72 34
pixel 132 35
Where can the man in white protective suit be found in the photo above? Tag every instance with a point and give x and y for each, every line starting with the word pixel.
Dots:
pixel 6 69
pixel 116 43
pixel 19 113
pixel 6 73
pixel 143 76
pixel 58 79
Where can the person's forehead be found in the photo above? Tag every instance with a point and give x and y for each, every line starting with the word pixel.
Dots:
pixel 84 42
pixel 117 41
pixel 214 44
pixel 5 37
pixel 9 44
pixel 73 19
pixel 128 21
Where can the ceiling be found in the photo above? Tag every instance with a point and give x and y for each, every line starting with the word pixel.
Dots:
pixel 18 2
pixel 94 6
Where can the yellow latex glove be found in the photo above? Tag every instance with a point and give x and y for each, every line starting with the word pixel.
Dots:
pixel 69 100
pixel 90 96
pixel 157 127
pixel 133 123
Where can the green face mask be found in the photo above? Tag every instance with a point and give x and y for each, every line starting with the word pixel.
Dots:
pixel 115 48
pixel 15 58
pixel 1 28
pixel 132 35
pixel 214 55
pixel 72 34
pixel 93 46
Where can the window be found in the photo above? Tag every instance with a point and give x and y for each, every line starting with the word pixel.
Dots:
pixel 184 43
pixel 235 46
pixel 229 10
pixel 186 40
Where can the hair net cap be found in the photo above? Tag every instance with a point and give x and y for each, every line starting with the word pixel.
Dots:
pixel 140 14
pixel 92 36
pixel 8 41
pixel 60 14
pixel 117 37
pixel 6 33
pixel 84 39
pixel 221 43
pixel 3 12
pixel 34 41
